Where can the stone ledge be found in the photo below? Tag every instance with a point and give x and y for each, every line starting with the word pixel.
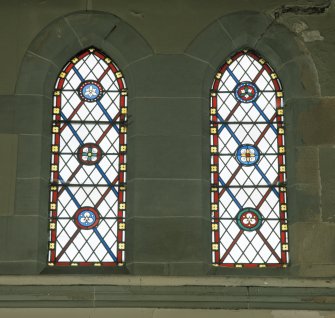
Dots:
pixel 174 281
pixel 196 294
pixel 157 313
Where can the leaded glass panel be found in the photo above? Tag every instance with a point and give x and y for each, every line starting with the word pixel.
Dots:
pixel 248 174
pixel 88 164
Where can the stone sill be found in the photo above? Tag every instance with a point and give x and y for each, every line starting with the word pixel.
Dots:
pixel 122 280
pixel 100 291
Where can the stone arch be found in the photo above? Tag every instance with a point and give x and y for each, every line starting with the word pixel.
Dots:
pixel 258 31
pixel 68 35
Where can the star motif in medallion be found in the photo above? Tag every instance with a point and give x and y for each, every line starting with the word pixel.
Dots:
pixel 91 91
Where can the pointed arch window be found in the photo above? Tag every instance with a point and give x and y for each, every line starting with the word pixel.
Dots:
pixel 88 164
pixel 248 177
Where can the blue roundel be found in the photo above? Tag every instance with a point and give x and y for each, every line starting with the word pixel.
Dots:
pixel 247 155
pixel 86 218
pixel 90 91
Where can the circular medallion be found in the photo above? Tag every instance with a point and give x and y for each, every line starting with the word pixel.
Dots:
pixel 249 219
pixel 90 91
pixel 247 155
pixel 246 92
pixel 86 218
pixel 89 154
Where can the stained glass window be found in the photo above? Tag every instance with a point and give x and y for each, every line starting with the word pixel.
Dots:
pixel 248 178
pixel 88 164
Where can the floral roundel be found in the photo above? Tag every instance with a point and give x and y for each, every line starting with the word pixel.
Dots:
pixel 249 219
pixel 246 92
pixel 90 91
pixel 89 154
pixel 86 218
pixel 247 155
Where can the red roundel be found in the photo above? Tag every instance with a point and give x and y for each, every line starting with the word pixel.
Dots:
pixel 89 154
pixel 246 92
